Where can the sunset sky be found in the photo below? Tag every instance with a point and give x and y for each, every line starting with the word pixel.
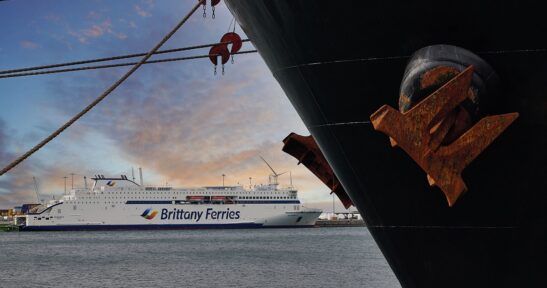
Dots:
pixel 180 122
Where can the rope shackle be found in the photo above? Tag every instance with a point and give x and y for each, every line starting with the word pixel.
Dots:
pixel 213 4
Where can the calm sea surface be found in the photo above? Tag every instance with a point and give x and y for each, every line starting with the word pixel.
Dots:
pixel 314 257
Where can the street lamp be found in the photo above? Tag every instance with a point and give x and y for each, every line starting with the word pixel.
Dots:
pixel 72 182
pixel 332 203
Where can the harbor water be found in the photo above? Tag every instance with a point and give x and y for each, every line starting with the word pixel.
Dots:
pixel 312 257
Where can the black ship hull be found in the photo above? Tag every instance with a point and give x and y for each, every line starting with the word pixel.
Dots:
pixel 338 62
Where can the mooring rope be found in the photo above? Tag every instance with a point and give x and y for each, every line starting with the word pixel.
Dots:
pixel 116 65
pixel 19 70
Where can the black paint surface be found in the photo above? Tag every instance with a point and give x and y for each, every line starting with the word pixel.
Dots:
pixel 339 61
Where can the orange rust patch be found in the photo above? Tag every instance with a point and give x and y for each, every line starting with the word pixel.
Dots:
pixel 404 101
pixel 412 132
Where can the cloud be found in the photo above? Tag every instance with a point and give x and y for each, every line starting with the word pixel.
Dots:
pixel 150 3
pixel 186 128
pixel 52 17
pixel 13 186
pixel 186 133
pixel 27 44
pixel 141 12
pixel 3 142
pixel 93 14
pixel 82 39
pixel 176 120
pixel 128 23
pixel 48 166
pixel 96 31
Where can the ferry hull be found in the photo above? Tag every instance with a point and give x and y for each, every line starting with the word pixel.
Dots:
pixel 157 227
pixel 339 62
pixel 151 217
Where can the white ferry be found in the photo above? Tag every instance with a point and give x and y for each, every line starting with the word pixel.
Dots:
pixel 120 203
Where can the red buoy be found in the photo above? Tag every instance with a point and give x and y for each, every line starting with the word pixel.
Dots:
pixel 222 49
pixel 234 39
pixel 219 50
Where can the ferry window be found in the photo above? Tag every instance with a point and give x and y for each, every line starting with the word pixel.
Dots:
pixel 58 211
pixel 74 207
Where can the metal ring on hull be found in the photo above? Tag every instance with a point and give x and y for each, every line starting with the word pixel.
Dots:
pixel 433 66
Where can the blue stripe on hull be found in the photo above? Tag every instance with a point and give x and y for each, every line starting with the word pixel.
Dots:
pixel 154 227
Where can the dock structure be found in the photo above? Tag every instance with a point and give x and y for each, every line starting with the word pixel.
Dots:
pixel 340 223
pixel 8 227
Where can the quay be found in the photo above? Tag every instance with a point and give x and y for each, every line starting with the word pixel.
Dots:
pixel 8 227
pixel 340 223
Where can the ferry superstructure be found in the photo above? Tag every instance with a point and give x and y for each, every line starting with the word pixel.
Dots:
pixel 120 203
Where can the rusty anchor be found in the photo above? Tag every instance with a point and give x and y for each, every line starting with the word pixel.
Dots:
pixel 417 133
